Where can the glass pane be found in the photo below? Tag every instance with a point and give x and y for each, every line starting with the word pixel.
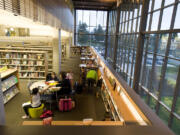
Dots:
pixel 157 4
pixel 177 110
pixel 148 21
pixel 79 17
pixel 162 44
pixel 135 13
pixel 168 2
pixel 105 18
pixel 143 95
pixel 134 25
pixel 164 114
pixel 93 18
pixel 155 20
pixel 177 20
pixel 150 5
pixel 170 82
pixel 166 21
pixel 175 126
pixel 86 17
pixel 152 103
pixel 100 18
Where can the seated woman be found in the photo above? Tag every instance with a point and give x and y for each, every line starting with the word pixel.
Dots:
pixel 35 102
pixel 65 85
pixel 51 77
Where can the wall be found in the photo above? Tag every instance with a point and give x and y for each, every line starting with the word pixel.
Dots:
pixel 60 10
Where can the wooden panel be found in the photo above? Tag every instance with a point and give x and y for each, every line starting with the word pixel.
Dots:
pixel 76 123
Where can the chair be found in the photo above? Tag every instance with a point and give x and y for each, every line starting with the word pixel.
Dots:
pixel 36 112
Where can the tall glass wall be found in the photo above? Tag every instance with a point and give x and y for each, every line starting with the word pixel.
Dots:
pixel 111 35
pixel 158 85
pixel 161 61
pixel 127 41
pixel 91 29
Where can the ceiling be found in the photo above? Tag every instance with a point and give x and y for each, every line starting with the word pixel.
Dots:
pixel 94 4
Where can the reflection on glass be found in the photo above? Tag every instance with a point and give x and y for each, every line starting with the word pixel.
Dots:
pixel 166 19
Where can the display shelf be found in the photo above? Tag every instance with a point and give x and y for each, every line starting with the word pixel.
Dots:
pixel 9 84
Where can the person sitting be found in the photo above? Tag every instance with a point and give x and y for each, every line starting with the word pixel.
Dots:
pixel 34 103
pixel 90 64
pixel 65 85
pixel 69 76
pixel 51 77
pixel 83 77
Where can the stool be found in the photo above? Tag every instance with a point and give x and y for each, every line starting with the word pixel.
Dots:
pixel 36 112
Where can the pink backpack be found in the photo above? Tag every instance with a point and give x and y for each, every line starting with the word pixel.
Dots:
pixel 65 104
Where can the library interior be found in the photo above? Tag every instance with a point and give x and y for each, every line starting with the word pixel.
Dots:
pixel 90 67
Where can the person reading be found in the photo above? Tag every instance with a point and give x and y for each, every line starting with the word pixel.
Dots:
pixel 34 103
pixel 51 77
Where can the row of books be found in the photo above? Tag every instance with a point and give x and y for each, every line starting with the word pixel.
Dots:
pixel 19 62
pixel 9 82
pixel 20 55
pixel 32 75
pixel 8 95
pixel 108 102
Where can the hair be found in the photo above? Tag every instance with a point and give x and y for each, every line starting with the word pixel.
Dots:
pixel 35 91
pixel 53 73
pixel 63 74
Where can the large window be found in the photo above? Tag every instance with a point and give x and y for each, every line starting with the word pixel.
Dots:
pixel 158 86
pixel 91 29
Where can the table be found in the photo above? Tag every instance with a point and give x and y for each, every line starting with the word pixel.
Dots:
pixel 88 67
pixel 86 58
pixel 86 54
pixel 42 85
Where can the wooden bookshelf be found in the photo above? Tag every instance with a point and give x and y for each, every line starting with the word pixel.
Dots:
pixel 30 64
pixel 33 48
pixel 9 81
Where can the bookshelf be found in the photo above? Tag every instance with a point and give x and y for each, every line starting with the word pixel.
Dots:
pixel 32 48
pixel 9 84
pixel 30 64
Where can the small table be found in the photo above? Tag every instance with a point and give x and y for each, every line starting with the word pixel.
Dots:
pixel 88 67
pixel 42 85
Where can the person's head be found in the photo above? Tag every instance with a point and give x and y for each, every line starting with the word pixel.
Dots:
pixel 53 74
pixel 35 91
pixel 82 69
pixel 90 62
pixel 62 75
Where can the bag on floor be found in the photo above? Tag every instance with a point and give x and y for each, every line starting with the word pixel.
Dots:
pixel 78 88
pixel 47 121
pixel 47 113
pixel 65 104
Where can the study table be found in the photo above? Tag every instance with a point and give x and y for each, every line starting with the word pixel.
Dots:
pixel 44 85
